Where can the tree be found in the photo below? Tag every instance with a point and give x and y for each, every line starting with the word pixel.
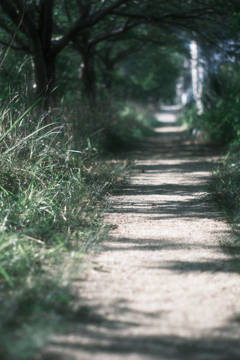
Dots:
pixel 30 26
pixel 153 22
pixel 205 19
pixel 87 41
pixel 142 65
pixel 87 45
pixel 43 28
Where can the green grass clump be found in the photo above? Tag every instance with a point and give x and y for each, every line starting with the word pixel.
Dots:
pixel 225 185
pixel 226 192
pixel 52 198
pixel 225 189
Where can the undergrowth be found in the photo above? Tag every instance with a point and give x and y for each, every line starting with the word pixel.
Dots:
pixel 225 190
pixel 220 120
pixel 52 197
pixel 109 126
pixel 225 187
pixel 220 123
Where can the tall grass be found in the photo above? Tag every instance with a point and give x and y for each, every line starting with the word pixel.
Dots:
pixel 52 197
pixel 225 190
pixel 225 186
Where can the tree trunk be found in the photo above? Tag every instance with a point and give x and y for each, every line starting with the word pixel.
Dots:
pixel 89 77
pixel 44 62
pixel 44 74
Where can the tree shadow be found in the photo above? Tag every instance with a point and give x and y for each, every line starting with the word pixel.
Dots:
pixel 159 244
pixel 95 336
pixel 161 208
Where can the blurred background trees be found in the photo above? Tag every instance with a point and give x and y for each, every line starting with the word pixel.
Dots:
pixel 88 49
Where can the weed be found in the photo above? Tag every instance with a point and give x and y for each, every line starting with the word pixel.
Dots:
pixel 52 197
pixel 225 190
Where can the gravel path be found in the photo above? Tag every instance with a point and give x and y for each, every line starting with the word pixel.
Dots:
pixel 161 288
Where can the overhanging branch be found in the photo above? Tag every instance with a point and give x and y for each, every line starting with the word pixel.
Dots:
pixel 82 24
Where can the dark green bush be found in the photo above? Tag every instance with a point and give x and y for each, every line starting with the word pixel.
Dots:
pixel 221 100
pixel 220 120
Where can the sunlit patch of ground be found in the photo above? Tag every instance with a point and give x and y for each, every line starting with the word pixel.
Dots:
pixel 167 119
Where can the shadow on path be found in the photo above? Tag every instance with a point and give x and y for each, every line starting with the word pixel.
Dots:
pixel 171 189
pixel 107 340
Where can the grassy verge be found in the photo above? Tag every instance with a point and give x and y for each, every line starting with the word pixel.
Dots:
pixel 50 217
pixel 225 190
pixel 52 198
pixel 220 124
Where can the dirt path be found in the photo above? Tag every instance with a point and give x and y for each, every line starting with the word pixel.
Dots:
pixel 161 288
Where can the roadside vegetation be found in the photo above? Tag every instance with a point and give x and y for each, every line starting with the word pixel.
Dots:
pixel 51 203
pixel 57 172
pixel 220 124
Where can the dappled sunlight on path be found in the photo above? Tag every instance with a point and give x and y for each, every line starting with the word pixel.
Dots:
pixel 161 288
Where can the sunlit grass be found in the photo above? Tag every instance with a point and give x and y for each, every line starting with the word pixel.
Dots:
pixel 52 198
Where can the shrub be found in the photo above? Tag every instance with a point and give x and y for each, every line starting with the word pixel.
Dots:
pixel 220 120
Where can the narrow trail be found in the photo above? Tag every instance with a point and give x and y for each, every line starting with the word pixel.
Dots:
pixel 161 288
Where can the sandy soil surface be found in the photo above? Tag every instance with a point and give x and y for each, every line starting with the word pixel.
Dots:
pixel 161 287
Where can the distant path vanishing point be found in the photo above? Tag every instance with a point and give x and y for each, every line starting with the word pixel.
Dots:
pixel 161 287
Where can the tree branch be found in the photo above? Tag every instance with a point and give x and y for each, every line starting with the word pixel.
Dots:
pixel 82 24
pixel 108 35
pixel 45 23
pixel 67 12
pixel 9 45
pixel 180 16
pixel 123 54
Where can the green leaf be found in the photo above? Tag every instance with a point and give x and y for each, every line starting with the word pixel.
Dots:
pixel 6 276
